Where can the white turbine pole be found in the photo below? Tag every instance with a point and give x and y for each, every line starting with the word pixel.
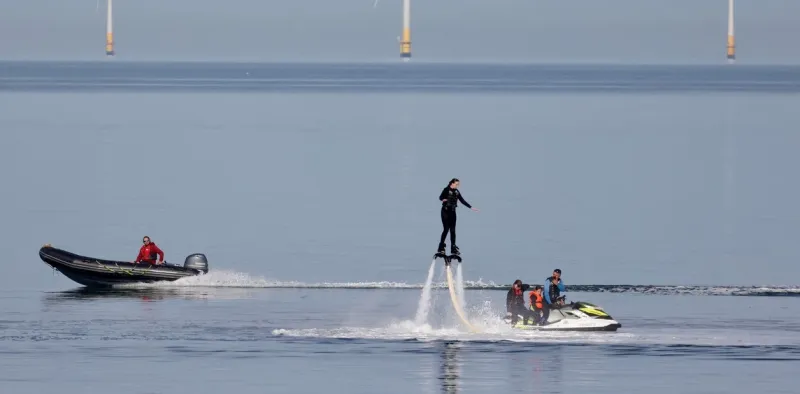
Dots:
pixel 731 41
pixel 109 32
pixel 405 43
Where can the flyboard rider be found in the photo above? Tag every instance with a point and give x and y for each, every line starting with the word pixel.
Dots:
pixel 450 196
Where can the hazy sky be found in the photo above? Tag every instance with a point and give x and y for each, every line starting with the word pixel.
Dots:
pixel 630 31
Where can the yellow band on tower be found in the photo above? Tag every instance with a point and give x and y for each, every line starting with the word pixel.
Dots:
pixel 405 44
pixel 731 45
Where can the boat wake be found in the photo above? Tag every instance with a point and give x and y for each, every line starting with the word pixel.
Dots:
pixel 491 329
pixel 436 321
pixel 707 344
pixel 483 322
pixel 226 278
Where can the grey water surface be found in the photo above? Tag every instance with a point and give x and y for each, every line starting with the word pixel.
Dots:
pixel 666 194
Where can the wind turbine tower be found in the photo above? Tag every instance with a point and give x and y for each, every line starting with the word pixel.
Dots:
pixel 731 42
pixel 405 42
pixel 109 32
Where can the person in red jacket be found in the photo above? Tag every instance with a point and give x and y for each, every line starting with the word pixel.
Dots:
pixel 148 252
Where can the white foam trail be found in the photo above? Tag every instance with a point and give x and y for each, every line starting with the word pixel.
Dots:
pixel 425 298
pixel 488 321
pixel 407 330
pixel 488 318
pixel 226 278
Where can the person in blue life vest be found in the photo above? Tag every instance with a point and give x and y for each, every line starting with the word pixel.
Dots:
pixel 553 286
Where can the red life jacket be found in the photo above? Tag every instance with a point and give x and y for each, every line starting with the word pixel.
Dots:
pixel 149 253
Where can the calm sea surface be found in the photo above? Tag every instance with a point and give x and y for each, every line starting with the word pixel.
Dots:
pixel 668 195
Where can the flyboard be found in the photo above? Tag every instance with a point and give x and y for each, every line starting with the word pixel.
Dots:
pixel 451 286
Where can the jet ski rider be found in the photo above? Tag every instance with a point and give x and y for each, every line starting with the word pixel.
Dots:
pixel 553 287
pixel 148 252
pixel 537 304
pixel 515 303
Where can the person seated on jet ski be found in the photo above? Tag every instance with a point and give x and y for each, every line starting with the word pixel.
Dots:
pixel 148 252
pixel 515 303
pixel 537 305
pixel 553 287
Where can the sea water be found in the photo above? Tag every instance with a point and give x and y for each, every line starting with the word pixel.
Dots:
pixel 666 195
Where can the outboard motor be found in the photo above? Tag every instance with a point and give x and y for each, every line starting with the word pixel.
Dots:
pixel 197 262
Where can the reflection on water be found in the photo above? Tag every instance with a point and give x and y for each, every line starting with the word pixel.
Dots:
pixel 147 294
pixel 450 367
pixel 533 369
pixel 548 371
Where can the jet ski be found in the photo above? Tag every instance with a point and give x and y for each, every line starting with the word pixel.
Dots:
pixel 94 272
pixel 575 316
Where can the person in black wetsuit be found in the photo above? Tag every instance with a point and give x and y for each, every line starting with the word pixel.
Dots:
pixel 515 303
pixel 450 196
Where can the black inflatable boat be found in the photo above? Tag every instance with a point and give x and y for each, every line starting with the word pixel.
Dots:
pixel 93 272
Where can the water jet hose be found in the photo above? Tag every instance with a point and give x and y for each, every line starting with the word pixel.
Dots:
pixel 454 299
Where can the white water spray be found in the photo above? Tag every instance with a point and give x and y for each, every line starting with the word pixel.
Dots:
pixel 425 299
pixel 460 286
